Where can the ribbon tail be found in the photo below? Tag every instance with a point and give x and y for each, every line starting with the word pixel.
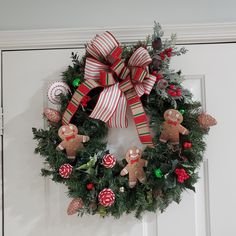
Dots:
pixel 74 103
pixel 118 119
pixel 139 116
pixel 140 90
pixel 107 103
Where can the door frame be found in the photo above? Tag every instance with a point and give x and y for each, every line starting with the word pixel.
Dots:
pixel 71 38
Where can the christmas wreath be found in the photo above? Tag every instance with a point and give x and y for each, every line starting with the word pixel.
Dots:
pixel 95 93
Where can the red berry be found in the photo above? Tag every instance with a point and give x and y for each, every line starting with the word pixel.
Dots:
pixel 168 50
pixel 162 55
pixel 154 73
pixel 90 186
pixel 178 94
pixel 174 94
pixel 172 86
pixel 187 145
pixel 159 77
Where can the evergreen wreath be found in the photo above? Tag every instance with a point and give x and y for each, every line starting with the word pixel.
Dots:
pixel 140 75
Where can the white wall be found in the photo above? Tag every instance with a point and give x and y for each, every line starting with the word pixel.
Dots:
pixel 34 14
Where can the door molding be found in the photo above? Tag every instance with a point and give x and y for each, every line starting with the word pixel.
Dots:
pixel 77 37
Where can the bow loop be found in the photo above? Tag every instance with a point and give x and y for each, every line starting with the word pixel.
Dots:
pixel 102 45
pixel 140 58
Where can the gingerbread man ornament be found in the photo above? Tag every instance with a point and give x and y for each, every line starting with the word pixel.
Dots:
pixel 171 127
pixel 134 167
pixel 71 141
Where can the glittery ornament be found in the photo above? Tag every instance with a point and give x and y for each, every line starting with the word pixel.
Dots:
pixel 206 120
pixel 187 145
pixel 52 115
pixel 65 171
pixel 90 186
pixel 158 173
pixel 122 189
pixel 182 111
pixel 75 205
pixel 55 89
pixel 76 82
pixel 106 197
pixel 108 161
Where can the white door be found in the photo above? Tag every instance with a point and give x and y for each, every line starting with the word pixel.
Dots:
pixel 36 206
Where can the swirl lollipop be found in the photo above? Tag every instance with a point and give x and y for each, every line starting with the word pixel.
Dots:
pixel 55 89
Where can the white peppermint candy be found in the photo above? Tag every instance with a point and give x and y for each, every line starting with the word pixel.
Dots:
pixel 55 89
pixel 106 197
pixel 108 161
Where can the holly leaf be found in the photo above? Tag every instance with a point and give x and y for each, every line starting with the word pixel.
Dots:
pixel 174 164
pixel 170 181
pixel 189 186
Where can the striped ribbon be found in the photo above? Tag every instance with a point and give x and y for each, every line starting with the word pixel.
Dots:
pixel 116 96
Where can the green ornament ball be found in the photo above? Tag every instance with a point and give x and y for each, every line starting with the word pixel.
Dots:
pixel 158 173
pixel 76 82
pixel 182 111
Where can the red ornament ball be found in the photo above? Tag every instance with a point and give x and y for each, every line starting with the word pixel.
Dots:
pixel 187 145
pixel 108 161
pixel 182 175
pixel 90 186
pixel 106 197
pixel 65 171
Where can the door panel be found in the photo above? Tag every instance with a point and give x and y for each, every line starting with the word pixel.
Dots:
pixel 37 206
pixel 217 63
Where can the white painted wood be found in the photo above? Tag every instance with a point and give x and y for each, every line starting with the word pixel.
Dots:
pixel 37 206
pixel 217 63
pixel 190 214
pixel 70 38
pixel 1 182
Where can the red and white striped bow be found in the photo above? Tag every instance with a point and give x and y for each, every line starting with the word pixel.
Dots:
pixel 123 85
pixel 112 104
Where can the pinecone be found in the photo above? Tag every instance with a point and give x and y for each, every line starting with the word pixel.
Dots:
pixel 157 44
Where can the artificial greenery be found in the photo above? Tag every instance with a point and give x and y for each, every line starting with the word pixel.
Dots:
pixel 158 192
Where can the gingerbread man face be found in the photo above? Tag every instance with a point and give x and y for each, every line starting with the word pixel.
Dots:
pixel 132 154
pixel 174 116
pixel 67 131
